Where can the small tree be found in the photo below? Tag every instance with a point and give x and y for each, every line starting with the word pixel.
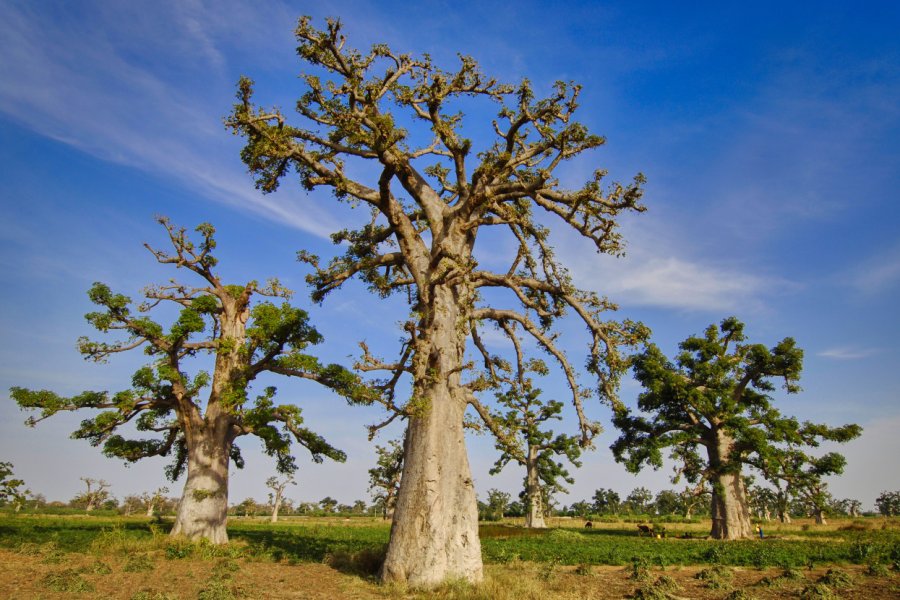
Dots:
pixel 797 474
pixel 606 502
pixel 154 500
pixel 276 496
pixel 693 497
pixel 888 503
pixel 11 488
pixel 521 438
pixel 667 502
pixel 201 428
pixel 384 477
pixel 715 396
pixel 97 493
pixel 763 501
pixel 638 501
pixel 328 504
pixel 496 504
pixel 131 504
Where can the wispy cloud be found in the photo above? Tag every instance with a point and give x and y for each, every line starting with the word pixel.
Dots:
pixel 77 83
pixel 847 353
pixel 877 274
pixel 667 272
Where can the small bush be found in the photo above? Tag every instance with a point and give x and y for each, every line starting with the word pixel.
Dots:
pixel 365 562
pixel 877 570
pixel 99 568
pixel 137 563
pixel 152 595
pixel 178 549
pixel 548 570
pixel 792 574
pixel 738 595
pixel 67 580
pixel 837 578
pixel 584 569
pixel 661 589
pixel 817 591
pixel 716 578
pixel 219 590
pixel 640 568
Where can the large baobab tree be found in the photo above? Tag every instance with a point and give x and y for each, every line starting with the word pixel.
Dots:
pixel 715 399
pixel 432 195
pixel 200 418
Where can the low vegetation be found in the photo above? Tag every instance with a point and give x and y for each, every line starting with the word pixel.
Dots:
pixel 103 556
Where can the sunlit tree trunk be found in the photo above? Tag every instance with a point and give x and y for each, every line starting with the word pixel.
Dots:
pixel 203 510
pixel 730 512
pixel 434 535
pixel 534 515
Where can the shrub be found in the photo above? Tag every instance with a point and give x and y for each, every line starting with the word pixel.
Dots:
pixel 817 591
pixel 136 563
pixel 716 578
pixel 67 580
pixel 836 578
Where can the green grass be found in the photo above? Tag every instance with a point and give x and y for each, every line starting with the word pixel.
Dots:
pixel 318 540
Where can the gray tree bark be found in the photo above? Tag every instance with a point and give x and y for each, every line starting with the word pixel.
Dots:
pixel 730 505
pixel 203 510
pixel 434 534
pixel 534 515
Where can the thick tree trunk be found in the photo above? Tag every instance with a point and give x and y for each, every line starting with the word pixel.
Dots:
pixel 203 510
pixel 275 509
pixel 434 534
pixel 150 508
pixel 730 512
pixel 534 514
pixel 820 517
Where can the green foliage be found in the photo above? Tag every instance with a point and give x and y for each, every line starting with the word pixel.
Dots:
pixel 246 338
pixel 715 397
pixel 10 487
pixel 521 436
pixel 716 577
pixel 137 563
pixel 837 578
pixel 384 477
pixel 888 503
pixel 67 580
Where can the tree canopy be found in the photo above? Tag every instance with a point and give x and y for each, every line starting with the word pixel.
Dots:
pixel 430 196
pixel 195 417
pixel 716 396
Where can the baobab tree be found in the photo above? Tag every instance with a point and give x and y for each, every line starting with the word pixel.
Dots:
pixel 384 477
pixel 715 396
pixel 153 500
pixel 796 474
pixel 201 417
pixel 97 493
pixel 522 437
pixel 276 496
pixel 11 487
pixel 434 196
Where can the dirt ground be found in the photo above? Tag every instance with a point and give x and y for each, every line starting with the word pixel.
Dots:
pixel 153 577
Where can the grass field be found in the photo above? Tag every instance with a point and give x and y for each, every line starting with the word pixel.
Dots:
pixel 114 557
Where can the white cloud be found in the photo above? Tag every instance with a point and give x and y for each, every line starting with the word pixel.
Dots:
pixel 76 84
pixel 847 353
pixel 661 272
pixel 878 274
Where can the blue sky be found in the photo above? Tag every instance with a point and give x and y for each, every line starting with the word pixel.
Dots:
pixel 769 134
